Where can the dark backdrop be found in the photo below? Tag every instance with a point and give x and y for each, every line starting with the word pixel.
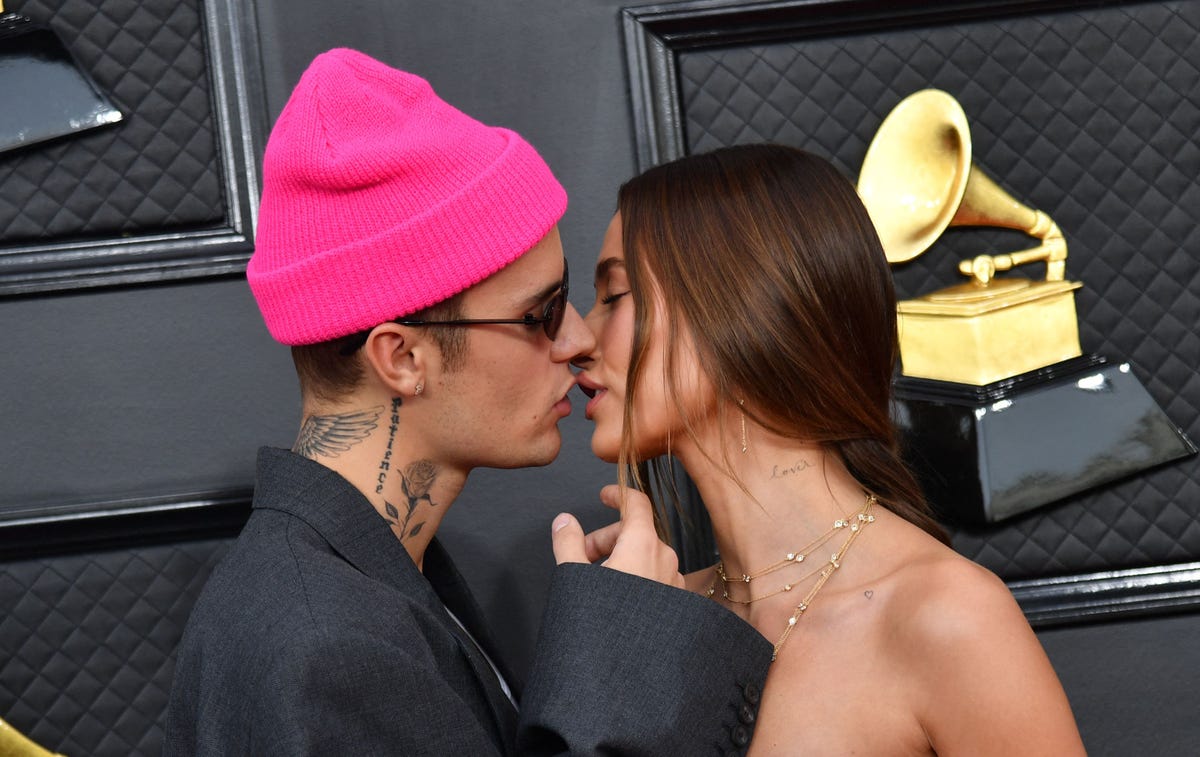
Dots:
pixel 167 389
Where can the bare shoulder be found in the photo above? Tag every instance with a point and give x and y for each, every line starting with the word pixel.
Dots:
pixel 951 619
pixel 982 684
pixel 949 600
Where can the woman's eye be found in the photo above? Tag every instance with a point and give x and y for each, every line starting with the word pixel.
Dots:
pixel 610 299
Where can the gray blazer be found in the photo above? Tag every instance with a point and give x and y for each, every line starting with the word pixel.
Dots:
pixel 318 635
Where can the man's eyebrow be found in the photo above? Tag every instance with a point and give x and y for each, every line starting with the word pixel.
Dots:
pixel 541 295
pixel 606 265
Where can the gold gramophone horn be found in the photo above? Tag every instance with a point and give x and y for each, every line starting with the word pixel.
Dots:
pixel 918 179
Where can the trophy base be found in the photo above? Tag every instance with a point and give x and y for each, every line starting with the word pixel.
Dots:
pixel 977 336
pixel 987 453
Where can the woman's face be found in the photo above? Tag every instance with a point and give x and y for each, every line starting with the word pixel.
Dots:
pixel 603 378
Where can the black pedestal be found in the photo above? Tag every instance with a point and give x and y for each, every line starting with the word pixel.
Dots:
pixel 986 453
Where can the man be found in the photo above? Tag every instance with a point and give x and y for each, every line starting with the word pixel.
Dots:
pixel 411 257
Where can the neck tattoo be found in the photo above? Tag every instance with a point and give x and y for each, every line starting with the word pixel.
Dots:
pixel 416 479
pixel 386 463
pixel 801 465
pixel 331 435
pixel 415 482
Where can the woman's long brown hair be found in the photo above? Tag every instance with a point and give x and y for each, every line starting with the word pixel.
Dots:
pixel 767 260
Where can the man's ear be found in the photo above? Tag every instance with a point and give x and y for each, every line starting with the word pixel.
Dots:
pixel 396 355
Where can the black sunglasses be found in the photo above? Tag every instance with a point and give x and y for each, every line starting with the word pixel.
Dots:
pixel 550 320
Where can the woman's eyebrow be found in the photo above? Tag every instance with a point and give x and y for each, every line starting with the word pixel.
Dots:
pixel 606 265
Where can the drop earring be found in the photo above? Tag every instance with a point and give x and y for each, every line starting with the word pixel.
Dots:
pixel 745 447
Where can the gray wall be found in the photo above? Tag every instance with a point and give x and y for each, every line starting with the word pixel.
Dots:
pixel 169 389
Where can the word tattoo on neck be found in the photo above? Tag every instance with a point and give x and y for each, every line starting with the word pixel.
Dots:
pixel 331 435
pixel 791 470
pixel 415 481
pixel 386 463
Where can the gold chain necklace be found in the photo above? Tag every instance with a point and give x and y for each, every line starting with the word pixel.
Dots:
pixel 856 524
pixel 791 558
pixel 835 562
pixel 785 588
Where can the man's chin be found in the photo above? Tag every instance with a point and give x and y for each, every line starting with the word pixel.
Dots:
pixel 545 454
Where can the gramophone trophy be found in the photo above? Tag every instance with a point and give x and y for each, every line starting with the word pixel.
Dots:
pixel 1000 410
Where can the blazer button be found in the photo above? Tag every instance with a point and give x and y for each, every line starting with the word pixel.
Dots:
pixel 746 714
pixel 740 735
pixel 751 693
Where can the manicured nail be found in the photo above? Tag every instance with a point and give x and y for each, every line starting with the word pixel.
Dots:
pixel 560 521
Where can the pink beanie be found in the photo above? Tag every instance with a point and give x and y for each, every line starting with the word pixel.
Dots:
pixel 380 199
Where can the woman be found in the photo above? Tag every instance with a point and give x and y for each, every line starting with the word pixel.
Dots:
pixel 745 324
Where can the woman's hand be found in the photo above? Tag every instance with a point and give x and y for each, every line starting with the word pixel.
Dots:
pixel 630 545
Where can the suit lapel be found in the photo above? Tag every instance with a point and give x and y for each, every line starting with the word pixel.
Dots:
pixel 472 637
pixel 452 588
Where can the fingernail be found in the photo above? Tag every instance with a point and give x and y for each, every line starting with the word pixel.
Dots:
pixel 560 521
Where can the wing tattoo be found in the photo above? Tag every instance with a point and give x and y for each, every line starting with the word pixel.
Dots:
pixel 331 435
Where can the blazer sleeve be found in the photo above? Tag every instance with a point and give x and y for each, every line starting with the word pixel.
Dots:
pixel 628 666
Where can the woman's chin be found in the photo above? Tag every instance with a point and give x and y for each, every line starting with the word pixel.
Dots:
pixel 605 450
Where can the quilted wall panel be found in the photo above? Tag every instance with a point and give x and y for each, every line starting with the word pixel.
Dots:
pixel 158 170
pixel 1091 115
pixel 87 643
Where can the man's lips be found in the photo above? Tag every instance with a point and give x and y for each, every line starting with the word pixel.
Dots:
pixel 563 406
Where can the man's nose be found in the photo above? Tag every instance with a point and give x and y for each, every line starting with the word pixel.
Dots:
pixel 574 338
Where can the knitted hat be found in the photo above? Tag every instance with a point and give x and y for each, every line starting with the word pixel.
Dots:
pixel 380 199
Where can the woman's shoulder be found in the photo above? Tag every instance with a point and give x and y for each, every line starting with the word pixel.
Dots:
pixel 944 600
pixel 981 682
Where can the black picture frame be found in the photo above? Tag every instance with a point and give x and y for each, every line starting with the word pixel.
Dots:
pixel 239 111
pixel 654 37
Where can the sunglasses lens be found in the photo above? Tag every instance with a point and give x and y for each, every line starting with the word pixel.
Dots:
pixel 554 315
pixel 557 307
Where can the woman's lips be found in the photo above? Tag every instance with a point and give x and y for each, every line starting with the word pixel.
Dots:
pixel 593 390
pixel 595 395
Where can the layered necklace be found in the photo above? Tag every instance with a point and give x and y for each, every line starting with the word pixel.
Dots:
pixel 854 525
